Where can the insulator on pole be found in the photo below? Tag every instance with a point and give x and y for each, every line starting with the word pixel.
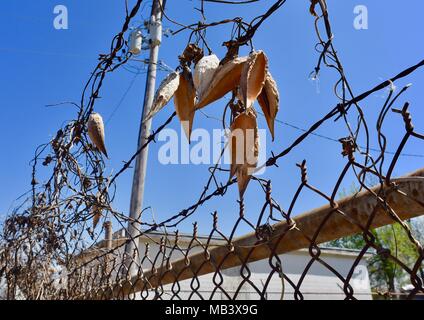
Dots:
pixel 155 32
pixel 136 41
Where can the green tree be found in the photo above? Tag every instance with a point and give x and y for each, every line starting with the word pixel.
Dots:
pixel 385 273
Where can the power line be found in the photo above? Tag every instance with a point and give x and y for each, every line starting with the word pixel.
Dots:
pixel 293 126
pixel 123 97
pixel 335 140
pixel 46 53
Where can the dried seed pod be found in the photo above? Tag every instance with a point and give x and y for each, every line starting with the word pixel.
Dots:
pixel 184 101
pixel 96 132
pixel 226 79
pixel 164 93
pixel 253 77
pixel 97 214
pixel 268 100
pixel 204 72
pixel 244 148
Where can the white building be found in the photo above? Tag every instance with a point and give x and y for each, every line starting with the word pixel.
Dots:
pixel 319 282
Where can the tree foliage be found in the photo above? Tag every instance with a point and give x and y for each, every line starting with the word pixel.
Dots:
pixel 385 273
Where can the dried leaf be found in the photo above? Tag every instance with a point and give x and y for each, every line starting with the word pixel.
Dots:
pixel 204 72
pixel 268 100
pixel 96 132
pixel 253 77
pixel 184 101
pixel 164 93
pixel 244 148
pixel 226 79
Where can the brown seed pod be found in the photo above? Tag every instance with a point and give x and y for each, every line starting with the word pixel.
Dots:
pixel 268 100
pixel 204 72
pixel 97 214
pixel 226 79
pixel 244 148
pixel 164 93
pixel 184 100
pixel 253 77
pixel 96 132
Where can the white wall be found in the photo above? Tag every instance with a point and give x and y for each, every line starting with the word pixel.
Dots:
pixel 319 283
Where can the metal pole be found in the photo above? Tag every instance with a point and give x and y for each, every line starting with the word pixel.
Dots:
pixel 109 242
pixel 137 194
pixel 108 234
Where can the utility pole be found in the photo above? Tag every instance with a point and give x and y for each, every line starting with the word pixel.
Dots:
pixel 137 194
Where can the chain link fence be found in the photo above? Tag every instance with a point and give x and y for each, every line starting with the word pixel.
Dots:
pixel 49 249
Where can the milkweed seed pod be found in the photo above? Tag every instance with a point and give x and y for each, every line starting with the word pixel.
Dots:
pixel 225 79
pixel 96 132
pixel 269 99
pixel 204 72
pixel 97 214
pixel 244 148
pixel 164 93
pixel 184 101
pixel 253 77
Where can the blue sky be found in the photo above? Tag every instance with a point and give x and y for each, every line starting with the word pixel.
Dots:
pixel 41 65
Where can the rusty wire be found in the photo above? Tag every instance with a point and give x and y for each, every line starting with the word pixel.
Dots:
pixel 49 250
